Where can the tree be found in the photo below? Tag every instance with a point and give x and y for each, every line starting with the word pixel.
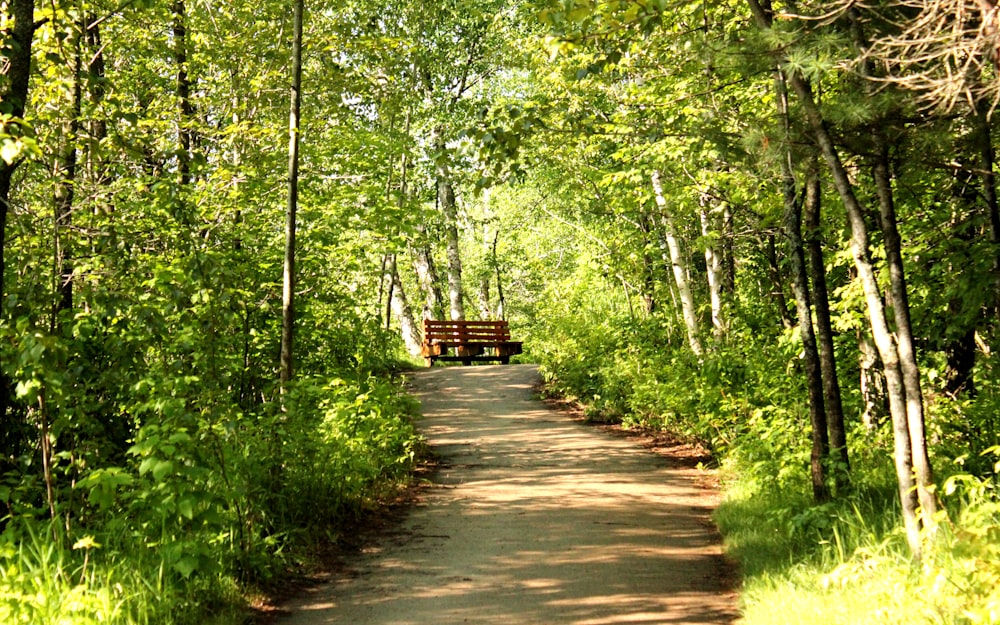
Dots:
pixel 896 352
pixel 291 209
pixel 19 16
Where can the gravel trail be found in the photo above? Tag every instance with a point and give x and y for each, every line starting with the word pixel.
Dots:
pixel 532 519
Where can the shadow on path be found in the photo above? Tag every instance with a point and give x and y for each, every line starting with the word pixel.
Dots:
pixel 533 519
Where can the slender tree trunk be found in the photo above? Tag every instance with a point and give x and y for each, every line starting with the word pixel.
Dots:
pixel 16 72
pixel 872 382
pixel 427 276
pixel 64 171
pixel 777 283
pixel 881 334
pixel 486 273
pixel 824 330
pixel 401 308
pixel 449 208
pixel 905 345
pixel 485 309
pixel 386 287
pixel 814 380
pixel 97 92
pixel 713 265
pixel 883 337
pixel 98 173
pixel 501 301
pixel 679 266
pixel 186 108
pixel 792 223
pixel 291 210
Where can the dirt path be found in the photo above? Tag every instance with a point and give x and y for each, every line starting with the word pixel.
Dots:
pixel 533 519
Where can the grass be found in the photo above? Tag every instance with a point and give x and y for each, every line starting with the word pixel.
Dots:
pixel 847 563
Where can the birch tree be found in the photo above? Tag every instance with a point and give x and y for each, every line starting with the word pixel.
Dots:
pixel 678 265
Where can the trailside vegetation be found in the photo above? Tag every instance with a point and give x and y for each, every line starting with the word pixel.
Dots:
pixel 771 228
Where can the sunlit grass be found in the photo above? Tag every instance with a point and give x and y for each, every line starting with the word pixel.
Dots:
pixel 853 567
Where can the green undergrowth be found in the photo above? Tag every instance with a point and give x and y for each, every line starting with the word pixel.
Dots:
pixel 843 562
pixel 847 562
pixel 204 510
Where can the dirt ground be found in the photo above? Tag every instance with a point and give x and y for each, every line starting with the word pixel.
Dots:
pixel 533 518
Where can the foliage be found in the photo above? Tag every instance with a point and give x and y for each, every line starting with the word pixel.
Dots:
pixel 150 467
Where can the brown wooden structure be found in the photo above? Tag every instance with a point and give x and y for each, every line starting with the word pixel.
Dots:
pixel 469 340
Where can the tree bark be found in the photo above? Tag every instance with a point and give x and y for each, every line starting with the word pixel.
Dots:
pixel 98 173
pixel 449 209
pixel 792 223
pixel 905 344
pixel 777 283
pixel 485 309
pixel 501 301
pixel 64 172
pixel 872 382
pixel 679 266
pixel 824 331
pixel 883 337
pixel 401 308
pixel 186 108
pixel 427 277
pixel 13 99
pixel 713 265
pixel 881 334
pixel 291 209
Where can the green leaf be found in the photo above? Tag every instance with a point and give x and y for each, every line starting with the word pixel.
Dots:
pixel 186 565
pixel 186 507
pixel 10 151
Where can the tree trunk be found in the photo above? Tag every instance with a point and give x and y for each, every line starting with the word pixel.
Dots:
pixel 13 99
pixel 777 283
pixel 881 334
pixel 792 222
pixel 905 344
pixel 449 209
pixel 427 277
pixel 98 174
pixel 186 108
pixel 485 309
pixel 883 337
pixel 98 90
pixel 649 268
pixel 872 382
pixel 501 301
pixel 401 308
pixel 824 330
pixel 291 210
pixel 713 265
pixel 64 172
pixel 485 273
pixel 679 266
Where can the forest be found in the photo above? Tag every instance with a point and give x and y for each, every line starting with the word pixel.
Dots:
pixel 771 229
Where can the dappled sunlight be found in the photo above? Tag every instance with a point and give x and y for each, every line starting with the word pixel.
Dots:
pixel 533 518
